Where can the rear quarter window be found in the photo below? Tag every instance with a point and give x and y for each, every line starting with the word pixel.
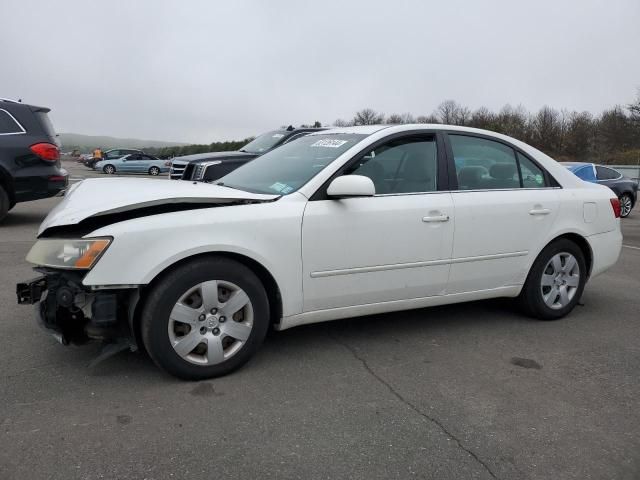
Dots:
pixel 8 124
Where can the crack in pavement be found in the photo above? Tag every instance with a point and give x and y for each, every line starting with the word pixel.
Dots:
pixel 433 420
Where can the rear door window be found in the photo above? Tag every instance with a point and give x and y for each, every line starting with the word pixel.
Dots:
pixel 605 173
pixel 8 124
pixel 483 164
pixel 586 173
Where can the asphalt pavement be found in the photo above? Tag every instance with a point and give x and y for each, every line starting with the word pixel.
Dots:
pixel 467 391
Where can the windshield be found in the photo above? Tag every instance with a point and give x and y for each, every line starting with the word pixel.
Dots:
pixel 264 142
pixel 285 169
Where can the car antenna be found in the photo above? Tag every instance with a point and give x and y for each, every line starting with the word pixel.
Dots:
pixel 290 128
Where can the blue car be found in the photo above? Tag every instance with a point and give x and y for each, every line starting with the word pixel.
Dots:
pixel 134 163
pixel 625 188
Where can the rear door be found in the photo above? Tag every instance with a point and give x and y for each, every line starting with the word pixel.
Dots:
pixel 505 204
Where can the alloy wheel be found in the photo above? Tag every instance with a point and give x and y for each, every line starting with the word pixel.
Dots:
pixel 560 280
pixel 625 205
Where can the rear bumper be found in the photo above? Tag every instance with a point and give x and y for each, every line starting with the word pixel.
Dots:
pixel 605 248
pixel 47 183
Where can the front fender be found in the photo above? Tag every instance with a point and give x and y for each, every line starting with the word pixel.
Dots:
pixel 267 233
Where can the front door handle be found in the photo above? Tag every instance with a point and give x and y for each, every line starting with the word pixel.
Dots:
pixel 436 218
pixel 539 211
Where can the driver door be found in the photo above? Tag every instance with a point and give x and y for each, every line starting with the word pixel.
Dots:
pixel 393 246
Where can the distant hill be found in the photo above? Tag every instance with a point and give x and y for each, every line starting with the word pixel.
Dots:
pixel 85 143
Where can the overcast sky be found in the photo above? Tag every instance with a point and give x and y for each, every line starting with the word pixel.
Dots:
pixel 200 71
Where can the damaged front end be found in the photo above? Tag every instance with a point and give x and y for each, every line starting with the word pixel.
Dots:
pixel 75 314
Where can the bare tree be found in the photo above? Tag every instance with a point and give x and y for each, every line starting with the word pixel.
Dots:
pixel 368 116
pixel 342 123
pixel 446 111
pixel 394 119
pixel 427 119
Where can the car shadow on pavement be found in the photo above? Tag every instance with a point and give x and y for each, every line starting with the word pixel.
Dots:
pixel 389 330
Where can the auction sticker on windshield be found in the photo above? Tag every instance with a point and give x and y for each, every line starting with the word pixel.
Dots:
pixel 329 143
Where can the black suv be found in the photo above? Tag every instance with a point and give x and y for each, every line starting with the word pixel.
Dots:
pixel 29 155
pixel 207 167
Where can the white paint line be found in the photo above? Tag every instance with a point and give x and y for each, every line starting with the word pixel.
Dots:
pixel 629 246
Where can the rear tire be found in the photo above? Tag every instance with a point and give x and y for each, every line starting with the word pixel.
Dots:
pixel 155 171
pixel 205 319
pixel 626 205
pixel 4 203
pixel 109 169
pixel 555 282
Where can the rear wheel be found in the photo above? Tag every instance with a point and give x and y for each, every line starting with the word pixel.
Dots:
pixel 4 203
pixel 205 319
pixel 626 205
pixel 109 169
pixel 154 171
pixel 555 282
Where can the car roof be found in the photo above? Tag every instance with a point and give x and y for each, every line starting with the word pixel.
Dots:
pixel 575 164
pixel 359 129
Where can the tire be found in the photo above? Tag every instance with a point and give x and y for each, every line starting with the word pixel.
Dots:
pixel 155 171
pixel 626 205
pixel 4 203
pixel 179 333
pixel 109 169
pixel 548 302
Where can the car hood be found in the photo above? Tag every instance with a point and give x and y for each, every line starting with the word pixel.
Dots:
pixel 109 196
pixel 205 157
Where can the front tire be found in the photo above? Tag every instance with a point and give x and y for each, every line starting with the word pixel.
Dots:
pixel 109 169
pixel 555 282
pixel 626 205
pixel 205 319
pixel 155 171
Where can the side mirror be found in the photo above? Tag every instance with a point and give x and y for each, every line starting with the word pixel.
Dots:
pixel 351 186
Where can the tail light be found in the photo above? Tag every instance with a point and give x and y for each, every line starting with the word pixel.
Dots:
pixel 615 204
pixel 46 151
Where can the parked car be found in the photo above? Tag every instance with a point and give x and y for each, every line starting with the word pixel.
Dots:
pixel 83 158
pixel 625 188
pixel 133 163
pixel 207 167
pixel 340 223
pixel 112 154
pixel 29 155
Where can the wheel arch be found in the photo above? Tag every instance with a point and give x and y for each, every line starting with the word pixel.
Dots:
pixel 267 279
pixel 6 182
pixel 581 242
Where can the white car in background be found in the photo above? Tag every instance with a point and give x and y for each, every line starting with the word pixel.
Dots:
pixel 340 223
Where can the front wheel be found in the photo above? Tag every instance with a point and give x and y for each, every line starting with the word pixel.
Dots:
pixel 626 205
pixel 155 171
pixel 205 319
pixel 109 169
pixel 555 282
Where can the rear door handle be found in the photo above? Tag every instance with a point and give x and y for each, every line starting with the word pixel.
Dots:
pixel 539 211
pixel 436 218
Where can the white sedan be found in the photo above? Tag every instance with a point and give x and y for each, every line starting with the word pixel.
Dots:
pixel 339 223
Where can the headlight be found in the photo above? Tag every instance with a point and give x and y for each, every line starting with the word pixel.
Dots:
pixel 73 254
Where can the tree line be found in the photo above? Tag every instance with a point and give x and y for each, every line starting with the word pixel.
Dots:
pixel 611 137
pixel 178 151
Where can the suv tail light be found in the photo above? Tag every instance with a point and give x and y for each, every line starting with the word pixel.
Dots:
pixel 46 151
pixel 615 204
